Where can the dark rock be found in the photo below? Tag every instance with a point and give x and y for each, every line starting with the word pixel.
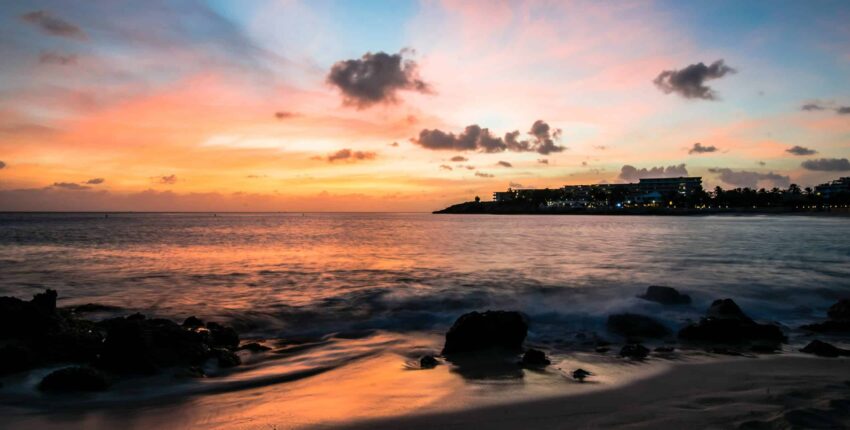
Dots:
pixel 636 326
pixel 226 358
pixel 254 347
pixel 223 336
pixel 840 310
pixel 634 351
pixel 193 322
pixel 45 301
pixel 535 358
pixel 93 307
pixel 829 326
pixel 726 323
pixel 492 329
pixel 665 349
pixel 76 378
pixel 824 349
pixel 665 296
pixel 580 374
pixel 602 349
pixel 139 345
pixel 16 358
pixel 428 362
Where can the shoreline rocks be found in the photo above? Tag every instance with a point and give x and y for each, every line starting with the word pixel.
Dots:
pixel 665 295
pixel 477 331
pixel 823 349
pixel 534 358
pixel 838 319
pixel 636 326
pixel 726 323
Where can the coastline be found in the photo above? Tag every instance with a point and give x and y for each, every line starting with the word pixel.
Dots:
pixel 493 208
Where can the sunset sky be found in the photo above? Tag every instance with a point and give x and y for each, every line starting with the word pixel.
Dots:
pixel 410 106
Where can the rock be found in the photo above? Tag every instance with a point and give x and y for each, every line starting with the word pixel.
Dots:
pixel 823 349
pixel 138 345
pixel 829 326
pixel 840 311
pixel 45 301
pixel 602 349
pixel 93 307
pixel 193 322
pixel 634 351
pixel 226 358
pixel 223 336
pixel 665 349
pixel 535 358
pixel 492 329
pixel 665 296
pixel 726 323
pixel 580 374
pixel 16 358
pixel 254 347
pixel 636 326
pixel 70 379
pixel 428 362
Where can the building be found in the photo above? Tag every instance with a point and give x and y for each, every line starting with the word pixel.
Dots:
pixel 504 196
pixel 838 186
pixel 683 186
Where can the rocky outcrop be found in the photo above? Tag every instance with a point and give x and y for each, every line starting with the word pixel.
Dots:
pixel 665 295
pixel 634 326
pixel 71 379
pixel 824 349
pixel 634 351
pixel 726 323
pixel 477 331
pixel 534 358
pixel 838 322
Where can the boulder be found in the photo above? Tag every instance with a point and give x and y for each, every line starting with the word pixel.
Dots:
pixel 665 296
pixel 535 358
pixel 824 349
pixel 634 351
pixel 428 362
pixel 636 326
pixel 223 336
pixel 71 379
pixel 726 323
pixel 254 347
pixel 226 358
pixel 16 358
pixel 840 311
pixel 492 329
pixel 580 374
pixel 193 322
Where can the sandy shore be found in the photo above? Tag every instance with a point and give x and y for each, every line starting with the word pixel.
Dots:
pixel 764 393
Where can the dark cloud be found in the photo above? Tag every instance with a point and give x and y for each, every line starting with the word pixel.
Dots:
pixel 601 147
pixel 467 167
pixel 168 180
pixel 827 164
pixel 375 78
pixel 584 164
pixel 515 185
pixel 799 150
pixel 347 154
pixel 542 161
pixel 812 107
pixel 690 81
pixel 394 144
pixel 95 181
pixel 57 58
pixel 445 167
pixel 843 110
pixel 483 175
pixel 459 159
pixel 504 164
pixel 53 25
pixel 2 165
pixel 747 179
pixel 699 149
pixel 284 114
pixel 475 138
pixel 762 163
pixel 631 173
pixel 72 186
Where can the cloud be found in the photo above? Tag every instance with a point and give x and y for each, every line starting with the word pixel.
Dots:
pixel 445 167
pixel 699 149
pixel 2 165
pixel 812 107
pixel 690 81
pixel 504 164
pixel 799 150
pixel 762 163
pixel 843 110
pixel 483 175
pixel 57 58
pixel 168 180
pixel 284 114
pixel 375 78
pixel 601 147
pixel 394 144
pixel 747 179
pixel 827 165
pixel 584 164
pixel 96 181
pixel 515 185
pixel 631 173
pixel 542 161
pixel 70 186
pixel 459 159
pixel 54 26
pixel 347 154
pixel 475 138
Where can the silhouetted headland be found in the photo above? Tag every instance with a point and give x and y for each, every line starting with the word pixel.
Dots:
pixel 662 196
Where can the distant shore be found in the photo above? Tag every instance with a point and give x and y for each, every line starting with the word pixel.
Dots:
pixel 494 208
